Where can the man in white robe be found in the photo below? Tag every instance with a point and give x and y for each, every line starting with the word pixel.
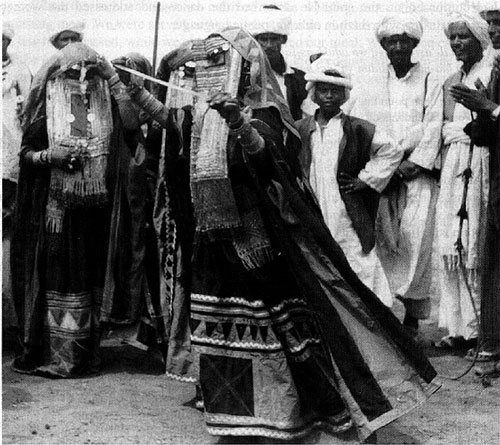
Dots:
pixel 270 26
pixel 16 81
pixel 348 162
pixel 407 101
pixel 468 36
pixel 486 131
pixel 67 32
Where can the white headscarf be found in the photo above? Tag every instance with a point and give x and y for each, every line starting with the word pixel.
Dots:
pixel 74 26
pixel 8 30
pixel 487 5
pixel 316 73
pixel 477 26
pixel 268 20
pixel 399 24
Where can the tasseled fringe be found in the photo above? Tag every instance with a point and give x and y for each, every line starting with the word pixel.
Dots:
pixel 54 216
pixel 255 258
pixel 84 192
pixel 53 225
pixel 214 205
pixel 251 243
pixel 74 191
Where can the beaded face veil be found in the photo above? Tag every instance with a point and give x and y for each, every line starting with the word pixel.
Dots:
pixel 79 123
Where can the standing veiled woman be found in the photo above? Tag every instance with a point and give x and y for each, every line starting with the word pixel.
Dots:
pixel 74 122
pixel 286 337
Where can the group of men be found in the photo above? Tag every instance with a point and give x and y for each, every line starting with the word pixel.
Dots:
pixel 280 239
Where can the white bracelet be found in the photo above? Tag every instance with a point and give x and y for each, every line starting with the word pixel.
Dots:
pixel 495 113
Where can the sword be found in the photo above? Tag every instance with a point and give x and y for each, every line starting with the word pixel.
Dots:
pixel 160 82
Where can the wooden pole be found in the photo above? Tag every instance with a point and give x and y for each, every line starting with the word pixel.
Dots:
pixel 155 43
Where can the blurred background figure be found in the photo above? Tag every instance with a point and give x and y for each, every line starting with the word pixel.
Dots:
pixel 67 32
pixel 16 81
pixel 270 29
pixel 132 281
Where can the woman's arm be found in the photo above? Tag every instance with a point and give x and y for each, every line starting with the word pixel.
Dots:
pixel 144 99
pixel 34 151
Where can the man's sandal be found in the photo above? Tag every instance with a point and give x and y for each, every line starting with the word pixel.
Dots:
pixel 450 343
pixel 482 356
pixel 447 343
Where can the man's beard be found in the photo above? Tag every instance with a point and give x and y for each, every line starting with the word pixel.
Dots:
pixel 277 61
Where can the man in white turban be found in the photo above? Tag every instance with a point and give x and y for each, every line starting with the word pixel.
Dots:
pixel 398 25
pixel 485 130
pixel 270 27
pixel 16 80
pixel 406 100
pixel 348 162
pixel 67 32
pixel 468 36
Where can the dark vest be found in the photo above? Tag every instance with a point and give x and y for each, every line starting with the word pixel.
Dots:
pixel 354 153
pixel 295 92
pixel 494 195
pixel 486 132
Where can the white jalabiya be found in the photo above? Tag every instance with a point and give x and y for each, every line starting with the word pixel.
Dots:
pixel 411 110
pixel 16 80
pixel 281 79
pixel 323 176
pixel 456 312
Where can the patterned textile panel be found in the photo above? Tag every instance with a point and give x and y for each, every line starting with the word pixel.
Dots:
pixel 70 326
pixel 237 324
pixel 69 315
pixel 61 120
pixel 245 349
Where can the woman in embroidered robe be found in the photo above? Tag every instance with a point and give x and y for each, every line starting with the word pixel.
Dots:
pixel 71 130
pixel 468 35
pixel 285 335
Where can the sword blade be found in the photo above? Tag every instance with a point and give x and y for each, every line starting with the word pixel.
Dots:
pixel 158 81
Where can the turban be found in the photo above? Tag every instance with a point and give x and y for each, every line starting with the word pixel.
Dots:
pixel 487 5
pixel 8 30
pixel 73 26
pixel 269 20
pixel 477 26
pixel 323 65
pixel 141 64
pixel 399 24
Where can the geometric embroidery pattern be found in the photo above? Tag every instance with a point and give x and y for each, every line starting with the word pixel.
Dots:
pixel 242 325
pixel 69 315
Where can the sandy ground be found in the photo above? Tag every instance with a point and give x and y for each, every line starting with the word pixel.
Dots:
pixel 131 401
